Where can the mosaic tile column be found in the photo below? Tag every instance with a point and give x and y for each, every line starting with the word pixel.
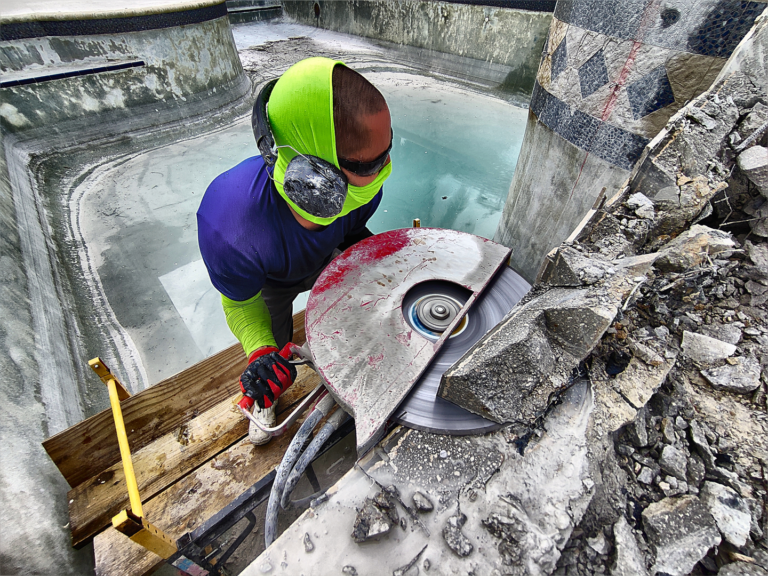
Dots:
pixel 611 75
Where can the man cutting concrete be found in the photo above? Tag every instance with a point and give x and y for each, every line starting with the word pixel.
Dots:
pixel 268 226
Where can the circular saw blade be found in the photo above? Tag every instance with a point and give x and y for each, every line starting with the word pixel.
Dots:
pixel 423 409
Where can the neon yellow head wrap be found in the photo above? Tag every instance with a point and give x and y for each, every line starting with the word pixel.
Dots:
pixel 301 115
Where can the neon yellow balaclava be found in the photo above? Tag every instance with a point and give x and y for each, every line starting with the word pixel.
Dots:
pixel 301 115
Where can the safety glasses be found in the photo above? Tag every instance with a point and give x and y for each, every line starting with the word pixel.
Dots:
pixel 368 168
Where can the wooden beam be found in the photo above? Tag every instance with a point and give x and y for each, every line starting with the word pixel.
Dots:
pixel 189 502
pixel 86 449
pixel 93 503
pixel 299 335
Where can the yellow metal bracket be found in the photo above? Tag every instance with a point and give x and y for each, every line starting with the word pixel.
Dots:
pixel 103 372
pixel 131 522
pixel 144 533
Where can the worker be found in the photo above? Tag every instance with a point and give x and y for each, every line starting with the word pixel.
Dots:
pixel 269 226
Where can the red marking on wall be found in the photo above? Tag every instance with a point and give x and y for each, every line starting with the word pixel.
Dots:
pixel 649 14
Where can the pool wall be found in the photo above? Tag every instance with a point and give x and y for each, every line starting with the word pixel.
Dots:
pixel 503 33
pixel 612 74
pixel 53 71
pixel 79 89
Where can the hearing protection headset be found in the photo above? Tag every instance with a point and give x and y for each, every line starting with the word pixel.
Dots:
pixel 313 184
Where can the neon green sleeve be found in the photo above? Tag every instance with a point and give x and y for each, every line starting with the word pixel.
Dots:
pixel 250 322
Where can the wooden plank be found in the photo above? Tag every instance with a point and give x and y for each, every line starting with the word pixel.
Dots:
pixel 85 449
pixel 299 335
pixel 93 503
pixel 189 502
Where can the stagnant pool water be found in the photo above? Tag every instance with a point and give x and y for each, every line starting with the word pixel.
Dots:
pixel 454 155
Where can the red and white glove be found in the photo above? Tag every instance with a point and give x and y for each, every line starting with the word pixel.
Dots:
pixel 268 375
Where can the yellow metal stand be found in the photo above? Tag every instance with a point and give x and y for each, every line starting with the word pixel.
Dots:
pixel 131 522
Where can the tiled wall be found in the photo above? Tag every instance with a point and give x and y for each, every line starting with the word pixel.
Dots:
pixel 611 75
pixel 630 64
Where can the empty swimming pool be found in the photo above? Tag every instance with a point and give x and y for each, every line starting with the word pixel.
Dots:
pixel 454 154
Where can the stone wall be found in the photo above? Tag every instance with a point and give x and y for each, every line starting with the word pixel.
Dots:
pixel 510 37
pixel 611 76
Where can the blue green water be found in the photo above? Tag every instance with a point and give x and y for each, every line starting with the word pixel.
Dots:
pixel 453 157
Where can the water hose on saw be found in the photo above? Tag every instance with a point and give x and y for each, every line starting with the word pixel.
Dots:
pixel 331 425
pixel 291 455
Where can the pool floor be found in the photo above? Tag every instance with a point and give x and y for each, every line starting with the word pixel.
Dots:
pixel 454 154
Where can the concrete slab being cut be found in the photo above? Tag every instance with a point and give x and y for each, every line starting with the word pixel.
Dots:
pixel 361 343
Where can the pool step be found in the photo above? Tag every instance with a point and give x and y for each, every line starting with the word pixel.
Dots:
pixel 241 11
pixel 37 74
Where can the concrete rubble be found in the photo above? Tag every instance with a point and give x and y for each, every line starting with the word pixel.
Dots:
pixel 681 531
pixel 631 382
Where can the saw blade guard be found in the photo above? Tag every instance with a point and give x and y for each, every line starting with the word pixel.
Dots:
pixel 362 345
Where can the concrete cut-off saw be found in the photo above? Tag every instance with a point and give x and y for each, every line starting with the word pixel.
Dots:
pixel 384 321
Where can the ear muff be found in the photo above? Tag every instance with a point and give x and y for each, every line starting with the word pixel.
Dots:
pixel 260 125
pixel 315 185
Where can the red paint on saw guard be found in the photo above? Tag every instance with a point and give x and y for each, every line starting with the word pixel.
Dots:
pixel 363 347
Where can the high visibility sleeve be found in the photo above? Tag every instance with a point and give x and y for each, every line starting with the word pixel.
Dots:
pixel 250 322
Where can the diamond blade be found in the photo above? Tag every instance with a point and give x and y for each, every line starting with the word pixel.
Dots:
pixel 423 409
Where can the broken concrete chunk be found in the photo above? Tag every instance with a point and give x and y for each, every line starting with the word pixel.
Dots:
pixel 572 268
pixel 578 328
pixel 599 543
pixel 646 475
pixel 308 544
pixel 700 348
pixel 645 353
pixel 422 503
pixel 385 501
pixel 507 375
pixel 681 530
pixel 629 558
pixel 637 432
pixel 699 441
pixel 730 512
pixel 456 541
pixel 638 382
pixel 741 378
pixel 725 332
pixel 370 522
pixel 758 254
pixel 702 118
pixel 673 461
pixel 691 248
pixel 754 163
pixel 641 205
pixel 742 569
pixel 759 210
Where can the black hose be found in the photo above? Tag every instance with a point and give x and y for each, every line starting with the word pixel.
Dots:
pixel 309 454
pixel 291 455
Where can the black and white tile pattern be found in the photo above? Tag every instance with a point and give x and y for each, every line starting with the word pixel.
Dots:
pixel 593 74
pixel 652 92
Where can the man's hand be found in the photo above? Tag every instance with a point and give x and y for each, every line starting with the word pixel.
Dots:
pixel 268 375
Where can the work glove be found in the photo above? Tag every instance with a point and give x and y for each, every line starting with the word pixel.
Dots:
pixel 268 375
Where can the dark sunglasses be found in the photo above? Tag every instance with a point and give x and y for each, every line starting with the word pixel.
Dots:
pixel 368 168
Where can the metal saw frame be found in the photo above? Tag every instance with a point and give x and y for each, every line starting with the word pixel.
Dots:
pixel 368 355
